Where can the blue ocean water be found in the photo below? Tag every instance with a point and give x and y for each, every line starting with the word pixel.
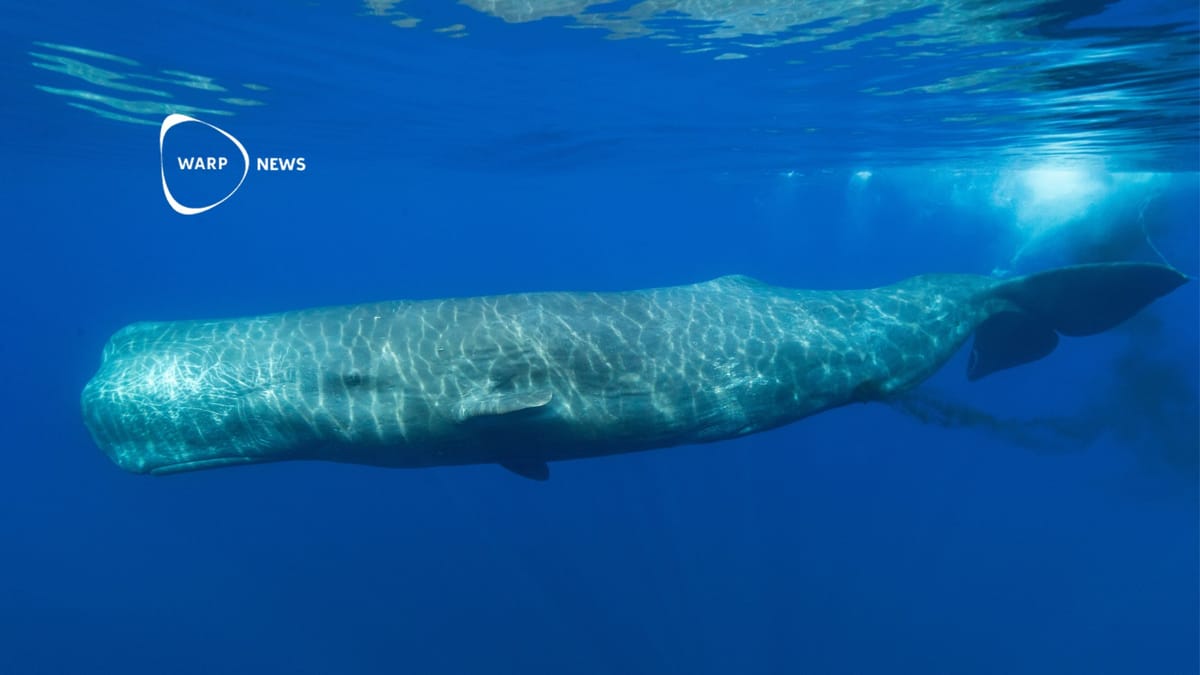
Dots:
pixel 489 147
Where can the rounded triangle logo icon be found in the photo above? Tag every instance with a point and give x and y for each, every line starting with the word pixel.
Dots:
pixel 173 120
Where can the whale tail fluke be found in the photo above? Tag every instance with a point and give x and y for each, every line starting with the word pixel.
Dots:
pixel 1073 301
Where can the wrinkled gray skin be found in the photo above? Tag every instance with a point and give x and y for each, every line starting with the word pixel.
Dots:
pixel 516 379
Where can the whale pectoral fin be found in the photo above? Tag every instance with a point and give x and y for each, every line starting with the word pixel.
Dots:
pixel 503 403
pixel 528 468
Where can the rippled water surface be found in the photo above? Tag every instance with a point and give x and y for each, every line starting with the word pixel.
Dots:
pixel 749 86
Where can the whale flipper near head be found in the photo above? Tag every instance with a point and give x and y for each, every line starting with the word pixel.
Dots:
pixel 1072 301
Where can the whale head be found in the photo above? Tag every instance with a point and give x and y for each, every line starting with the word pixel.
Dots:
pixel 168 398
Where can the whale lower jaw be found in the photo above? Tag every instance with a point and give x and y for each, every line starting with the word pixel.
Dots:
pixel 196 465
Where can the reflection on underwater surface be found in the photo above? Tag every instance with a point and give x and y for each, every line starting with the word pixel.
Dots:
pixel 821 85
pixel 109 91
pixel 1089 75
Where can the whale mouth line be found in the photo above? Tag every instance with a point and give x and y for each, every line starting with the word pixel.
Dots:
pixel 198 464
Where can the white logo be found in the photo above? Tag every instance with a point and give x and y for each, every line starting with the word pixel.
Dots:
pixel 175 119
pixel 203 163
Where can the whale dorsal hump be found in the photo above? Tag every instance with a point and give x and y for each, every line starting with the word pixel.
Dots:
pixel 738 281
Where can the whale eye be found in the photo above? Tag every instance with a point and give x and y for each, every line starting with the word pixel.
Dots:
pixel 350 379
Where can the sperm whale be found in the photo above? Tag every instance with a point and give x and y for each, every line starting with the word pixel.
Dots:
pixel 522 380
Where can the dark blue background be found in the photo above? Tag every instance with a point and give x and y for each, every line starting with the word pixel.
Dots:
pixel 856 541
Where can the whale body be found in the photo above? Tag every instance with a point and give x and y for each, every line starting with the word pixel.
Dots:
pixel 521 380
